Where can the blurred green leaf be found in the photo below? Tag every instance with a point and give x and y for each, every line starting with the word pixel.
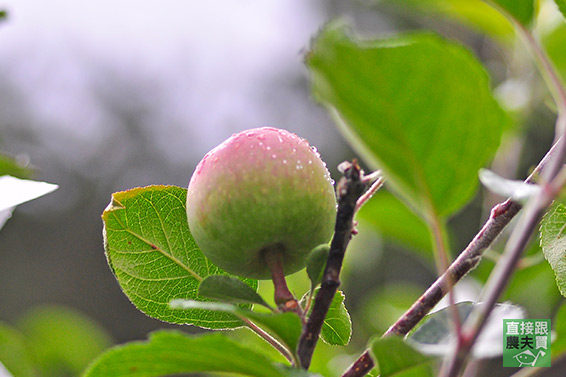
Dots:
pixel 561 6
pixel 521 10
pixel 337 326
pixel 172 352
pixel 559 322
pixel 62 341
pixel 316 262
pixel 284 326
pixel 476 14
pixel 386 304
pixel 436 337
pixel 553 242
pixel 394 221
pixel 154 257
pixel 229 289
pixel 10 166
pixel 397 358
pixel 417 106
pixel 14 354
pixel 553 43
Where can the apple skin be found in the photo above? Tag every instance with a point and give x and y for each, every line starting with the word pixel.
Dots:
pixel 262 190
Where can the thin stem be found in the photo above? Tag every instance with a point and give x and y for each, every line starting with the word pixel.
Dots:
pixel 552 182
pixel 469 258
pixel 283 297
pixel 349 189
pixel 375 186
pixel 272 341
pixel 545 66
pixel 503 271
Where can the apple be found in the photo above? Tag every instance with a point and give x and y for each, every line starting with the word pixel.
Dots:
pixel 262 195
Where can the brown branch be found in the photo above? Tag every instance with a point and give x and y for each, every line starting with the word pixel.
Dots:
pixel 349 189
pixel 468 259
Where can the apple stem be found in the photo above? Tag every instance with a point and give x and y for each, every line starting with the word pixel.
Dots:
pixel 283 297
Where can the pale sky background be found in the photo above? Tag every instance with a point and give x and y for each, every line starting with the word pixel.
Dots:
pixel 212 66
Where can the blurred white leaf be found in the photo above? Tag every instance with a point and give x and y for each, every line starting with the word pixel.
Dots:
pixel 516 190
pixel 3 371
pixel 5 216
pixel 15 191
pixel 435 336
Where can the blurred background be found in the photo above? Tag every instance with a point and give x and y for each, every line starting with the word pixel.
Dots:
pixel 104 96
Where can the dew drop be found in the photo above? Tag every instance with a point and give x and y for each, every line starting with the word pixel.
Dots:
pixel 268 148
pixel 285 161
pixel 274 156
pixel 310 162
pixel 251 146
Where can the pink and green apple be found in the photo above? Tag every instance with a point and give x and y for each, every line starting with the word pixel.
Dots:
pixel 261 191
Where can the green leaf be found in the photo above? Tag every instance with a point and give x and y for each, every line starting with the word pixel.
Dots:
pixel 553 242
pixel 286 327
pixel 435 336
pixel 559 322
pixel 9 165
pixel 14 354
pixel 561 6
pixel 394 221
pixel 397 358
pixel 229 289
pixel 62 341
pixel 521 10
pixel 172 352
pixel 417 106
pixel 337 326
pixel 154 257
pixel 316 263
pixel 476 14
pixel 553 43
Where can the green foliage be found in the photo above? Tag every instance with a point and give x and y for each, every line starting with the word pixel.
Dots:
pixel 417 106
pixel 62 341
pixel 284 326
pixel 554 45
pixel 392 219
pixel 154 257
pixel 553 242
pixel 559 324
pixel 562 6
pixel 14 353
pixel 521 10
pixel 316 262
pixel 172 352
pixel 396 358
pixel 337 327
pixel 476 14
pixel 8 165
pixel 229 289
